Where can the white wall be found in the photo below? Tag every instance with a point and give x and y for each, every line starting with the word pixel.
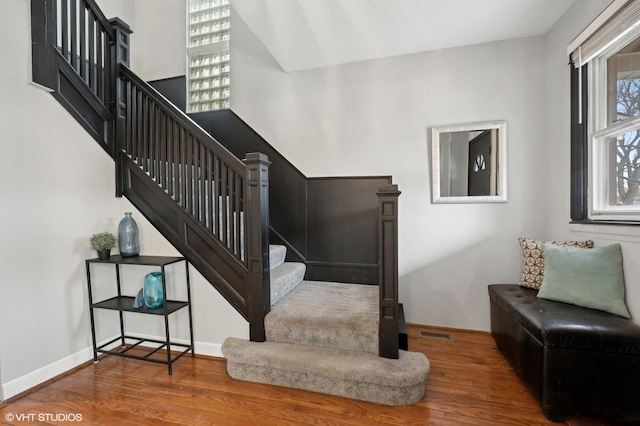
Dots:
pixel 372 118
pixel 159 39
pixel 556 185
pixel 56 187
pixel 123 9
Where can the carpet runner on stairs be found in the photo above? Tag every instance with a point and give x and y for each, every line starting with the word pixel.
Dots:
pixel 285 276
pixel 323 337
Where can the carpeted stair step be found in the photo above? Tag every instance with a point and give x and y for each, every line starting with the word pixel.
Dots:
pixel 285 278
pixel 350 374
pixel 327 314
pixel 277 255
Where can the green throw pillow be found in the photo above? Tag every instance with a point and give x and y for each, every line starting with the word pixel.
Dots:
pixel 591 278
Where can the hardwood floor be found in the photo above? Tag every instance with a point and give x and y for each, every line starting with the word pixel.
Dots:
pixel 470 384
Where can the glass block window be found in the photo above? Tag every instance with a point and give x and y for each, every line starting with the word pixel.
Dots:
pixel 208 51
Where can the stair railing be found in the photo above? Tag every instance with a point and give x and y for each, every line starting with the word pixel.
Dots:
pixel 206 180
pixel 211 206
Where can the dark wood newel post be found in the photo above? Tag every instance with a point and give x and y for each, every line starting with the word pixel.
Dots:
pixel 258 291
pixel 119 50
pixel 43 41
pixel 388 270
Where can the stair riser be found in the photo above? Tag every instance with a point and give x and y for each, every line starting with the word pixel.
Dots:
pixel 284 279
pixel 379 394
pixel 310 333
pixel 330 315
pixel 277 255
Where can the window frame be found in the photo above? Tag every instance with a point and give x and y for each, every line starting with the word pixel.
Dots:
pixel 589 132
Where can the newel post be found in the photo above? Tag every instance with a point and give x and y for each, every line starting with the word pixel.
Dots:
pixel 119 52
pixel 258 290
pixel 388 270
pixel 43 41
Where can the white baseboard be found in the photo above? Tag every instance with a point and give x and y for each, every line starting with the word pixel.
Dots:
pixel 210 349
pixel 30 380
pixel 41 375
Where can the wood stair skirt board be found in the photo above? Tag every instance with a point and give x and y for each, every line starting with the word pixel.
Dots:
pixel 350 374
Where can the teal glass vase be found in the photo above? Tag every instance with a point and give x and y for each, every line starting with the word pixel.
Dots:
pixel 128 238
pixel 152 290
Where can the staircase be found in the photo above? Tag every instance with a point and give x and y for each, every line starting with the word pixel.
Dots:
pixel 340 339
pixel 323 337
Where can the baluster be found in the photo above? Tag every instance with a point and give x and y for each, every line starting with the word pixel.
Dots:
pixel 163 152
pixel 217 191
pixel 176 162
pixel 211 195
pixel 203 185
pixel 139 127
pixel 169 165
pixel 91 31
pixel 183 168
pixel 196 178
pixel 238 216
pixel 64 27
pixel 82 40
pixel 159 144
pixel 99 64
pixel 145 133
pixel 73 18
pixel 232 222
pixel 130 113
pixel 225 203
pixel 153 137
pixel 135 125
pixel 188 161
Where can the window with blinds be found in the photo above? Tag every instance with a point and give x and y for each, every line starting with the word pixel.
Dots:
pixel 611 54
pixel 208 55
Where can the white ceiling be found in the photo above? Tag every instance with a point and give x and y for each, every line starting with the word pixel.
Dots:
pixel 305 34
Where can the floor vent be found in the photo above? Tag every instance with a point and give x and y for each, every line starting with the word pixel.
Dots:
pixel 432 335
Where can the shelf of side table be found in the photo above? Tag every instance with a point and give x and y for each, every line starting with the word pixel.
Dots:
pixel 122 303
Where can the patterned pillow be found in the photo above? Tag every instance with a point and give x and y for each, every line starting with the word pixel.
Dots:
pixel 533 262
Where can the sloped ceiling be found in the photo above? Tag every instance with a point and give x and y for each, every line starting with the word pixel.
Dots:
pixel 306 34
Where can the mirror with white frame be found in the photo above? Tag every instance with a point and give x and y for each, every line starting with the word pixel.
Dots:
pixel 469 163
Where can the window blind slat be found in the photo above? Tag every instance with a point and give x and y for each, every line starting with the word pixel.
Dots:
pixel 615 28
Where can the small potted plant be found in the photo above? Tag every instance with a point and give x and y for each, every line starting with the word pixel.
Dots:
pixel 103 243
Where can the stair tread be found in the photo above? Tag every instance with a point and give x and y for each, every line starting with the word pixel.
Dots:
pixel 410 368
pixel 327 314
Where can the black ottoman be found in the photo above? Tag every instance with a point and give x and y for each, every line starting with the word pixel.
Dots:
pixel 574 360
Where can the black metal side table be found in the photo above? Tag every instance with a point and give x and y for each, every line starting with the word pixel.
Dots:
pixel 123 304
